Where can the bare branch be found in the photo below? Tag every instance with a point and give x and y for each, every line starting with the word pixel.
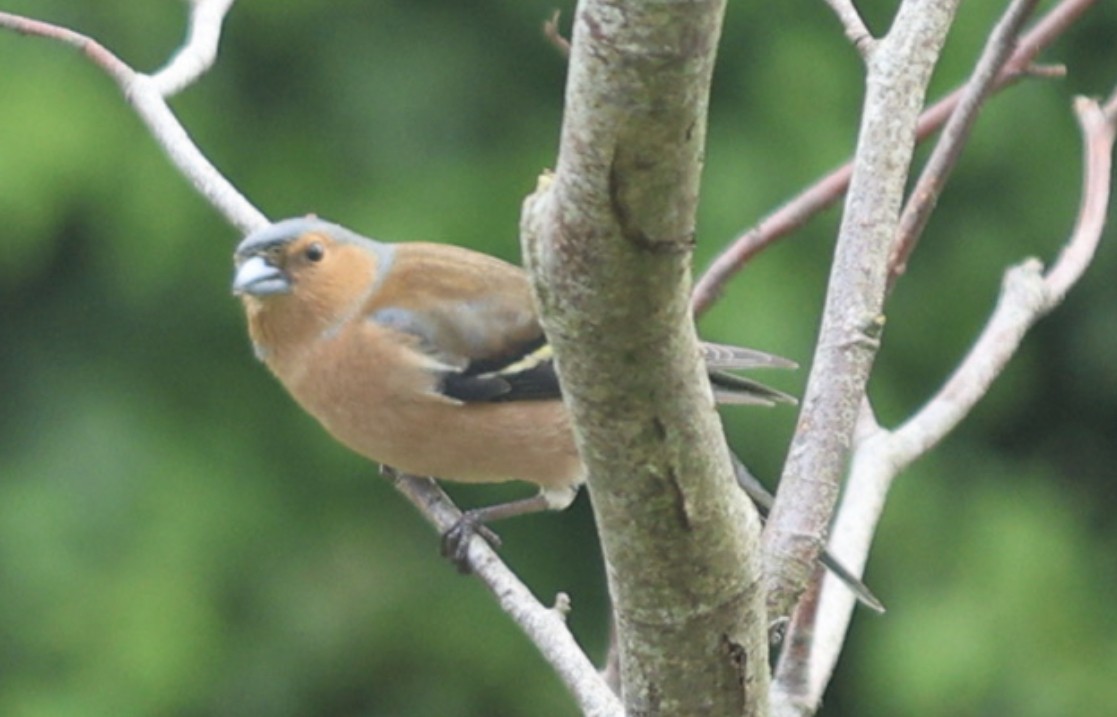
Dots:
pixel 200 50
pixel 801 678
pixel 879 456
pixel 849 337
pixel 1046 72
pixel 543 625
pixel 554 36
pixel 1026 295
pixel 1098 127
pixel 826 191
pixel 855 28
pixel 185 155
pixel 925 196
pixel 802 674
pixel 815 199
pixel 142 93
pixel 94 51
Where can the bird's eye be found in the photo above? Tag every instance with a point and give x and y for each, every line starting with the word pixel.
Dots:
pixel 315 252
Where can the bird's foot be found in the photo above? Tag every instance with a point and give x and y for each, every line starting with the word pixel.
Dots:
pixel 455 541
pixel 777 630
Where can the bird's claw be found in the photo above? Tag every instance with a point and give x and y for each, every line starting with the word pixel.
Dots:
pixel 777 630
pixel 455 541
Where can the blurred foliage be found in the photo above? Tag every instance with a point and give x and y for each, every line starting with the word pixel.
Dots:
pixel 177 538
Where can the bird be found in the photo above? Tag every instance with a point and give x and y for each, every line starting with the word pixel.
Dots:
pixel 430 360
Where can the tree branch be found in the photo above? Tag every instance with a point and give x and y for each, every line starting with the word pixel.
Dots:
pixel 146 98
pixel 898 73
pixel 825 192
pixel 855 29
pixel 608 240
pixel 199 52
pixel 544 626
pixel 879 456
pixel 1026 295
pixel 937 171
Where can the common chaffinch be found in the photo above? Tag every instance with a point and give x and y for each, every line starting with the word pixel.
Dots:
pixel 429 359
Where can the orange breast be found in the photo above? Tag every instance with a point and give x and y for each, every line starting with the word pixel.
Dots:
pixel 387 410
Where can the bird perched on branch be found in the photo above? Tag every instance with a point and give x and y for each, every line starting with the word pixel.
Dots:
pixel 430 359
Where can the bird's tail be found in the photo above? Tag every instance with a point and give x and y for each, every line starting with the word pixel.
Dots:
pixel 732 389
pixel 763 500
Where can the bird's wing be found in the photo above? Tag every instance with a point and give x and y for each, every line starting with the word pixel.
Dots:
pixel 474 316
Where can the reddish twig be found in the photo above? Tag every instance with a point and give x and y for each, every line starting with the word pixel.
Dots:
pixel 827 191
pixel 146 96
pixel 1098 125
pixel 922 200
pixel 97 53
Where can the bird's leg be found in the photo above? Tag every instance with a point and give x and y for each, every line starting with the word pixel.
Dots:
pixel 763 500
pixel 455 541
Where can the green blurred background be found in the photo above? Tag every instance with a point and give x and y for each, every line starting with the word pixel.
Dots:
pixel 177 538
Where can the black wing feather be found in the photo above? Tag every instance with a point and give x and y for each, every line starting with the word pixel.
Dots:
pixel 524 375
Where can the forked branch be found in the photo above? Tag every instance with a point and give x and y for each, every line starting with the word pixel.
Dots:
pixel 825 192
pixel 1028 293
pixel 147 98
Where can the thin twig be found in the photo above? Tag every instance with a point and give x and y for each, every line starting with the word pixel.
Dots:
pixel 543 625
pixel 880 455
pixel 827 191
pixel 817 198
pixel 1098 126
pixel 94 51
pixel 854 26
pixel 145 97
pixel 554 35
pixel 922 200
pixel 199 51
pixel 1027 294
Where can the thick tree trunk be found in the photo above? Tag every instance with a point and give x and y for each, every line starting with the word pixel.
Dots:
pixel 609 242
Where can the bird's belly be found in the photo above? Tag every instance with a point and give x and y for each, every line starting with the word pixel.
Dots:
pixel 473 443
pixel 422 433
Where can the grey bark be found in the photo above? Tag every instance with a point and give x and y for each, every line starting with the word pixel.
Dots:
pixel 608 240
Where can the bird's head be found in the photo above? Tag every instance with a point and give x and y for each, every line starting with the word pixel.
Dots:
pixel 305 275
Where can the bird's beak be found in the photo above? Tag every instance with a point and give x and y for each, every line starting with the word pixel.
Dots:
pixel 257 277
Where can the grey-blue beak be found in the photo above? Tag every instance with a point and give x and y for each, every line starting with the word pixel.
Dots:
pixel 259 278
